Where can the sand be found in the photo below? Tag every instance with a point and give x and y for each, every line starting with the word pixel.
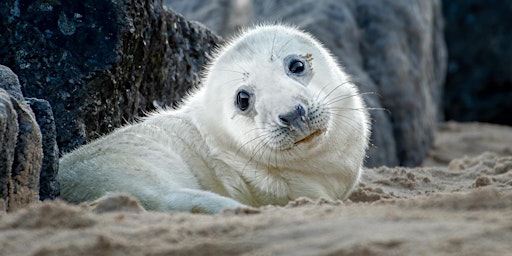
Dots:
pixel 459 203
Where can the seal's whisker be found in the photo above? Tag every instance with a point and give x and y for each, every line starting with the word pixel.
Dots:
pixel 269 164
pixel 357 109
pixel 260 145
pixel 321 90
pixel 345 119
pixel 249 141
pixel 344 97
pixel 334 89
pixel 252 140
pixel 244 71
pixel 232 81
pixel 278 53
pixel 263 143
pixel 232 70
pixel 345 122
pixel 272 48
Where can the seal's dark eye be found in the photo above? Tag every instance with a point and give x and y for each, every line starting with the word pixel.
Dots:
pixel 296 66
pixel 242 100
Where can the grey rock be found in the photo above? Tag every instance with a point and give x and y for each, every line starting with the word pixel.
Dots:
pixel 21 152
pixel 221 16
pixel 28 157
pixel 101 64
pixel 49 187
pixel 8 133
pixel 393 48
pixel 9 82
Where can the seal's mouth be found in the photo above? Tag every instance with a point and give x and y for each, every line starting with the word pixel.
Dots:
pixel 310 137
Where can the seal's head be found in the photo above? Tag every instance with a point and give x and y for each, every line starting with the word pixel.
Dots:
pixel 276 96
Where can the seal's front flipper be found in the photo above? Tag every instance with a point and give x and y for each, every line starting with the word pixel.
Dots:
pixel 199 201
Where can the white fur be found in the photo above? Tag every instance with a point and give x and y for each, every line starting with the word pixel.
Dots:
pixel 207 155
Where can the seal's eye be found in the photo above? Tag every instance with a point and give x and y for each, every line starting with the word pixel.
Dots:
pixel 296 66
pixel 242 100
pixel 299 68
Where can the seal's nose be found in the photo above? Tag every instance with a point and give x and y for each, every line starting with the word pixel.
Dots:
pixel 295 118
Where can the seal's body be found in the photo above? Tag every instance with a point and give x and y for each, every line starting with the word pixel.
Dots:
pixel 276 119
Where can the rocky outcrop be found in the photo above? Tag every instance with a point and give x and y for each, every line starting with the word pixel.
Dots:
pixel 478 81
pixel 101 64
pixel 392 48
pixel 98 64
pixel 20 146
pixel 49 187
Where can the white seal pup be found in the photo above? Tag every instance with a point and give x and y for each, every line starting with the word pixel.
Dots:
pixel 276 118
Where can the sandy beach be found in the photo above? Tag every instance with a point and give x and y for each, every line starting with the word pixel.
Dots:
pixel 458 203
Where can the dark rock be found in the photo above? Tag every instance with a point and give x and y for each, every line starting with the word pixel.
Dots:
pixel 393 48
pixel 478 82
pixel 21 153
pixel 48 185
pixel 101 64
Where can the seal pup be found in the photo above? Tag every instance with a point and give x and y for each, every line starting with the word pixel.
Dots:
pixel 276 118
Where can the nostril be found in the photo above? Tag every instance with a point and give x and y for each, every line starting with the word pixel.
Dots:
pixel 292 117
pixel 284 120
pixel 300 110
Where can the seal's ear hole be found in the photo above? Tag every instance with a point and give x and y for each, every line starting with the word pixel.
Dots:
pixel 242 100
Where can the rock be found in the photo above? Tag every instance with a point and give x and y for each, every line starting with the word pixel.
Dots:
pixel 101 64
pixel 392 48
pixel 20 152
pixel 9 83
pixel 478 81
pixel 49 187
pixel 8 132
